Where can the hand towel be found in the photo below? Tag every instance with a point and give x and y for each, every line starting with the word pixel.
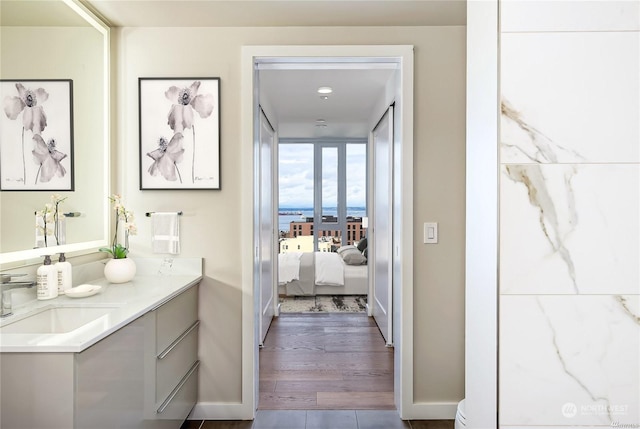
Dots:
pixel 165 233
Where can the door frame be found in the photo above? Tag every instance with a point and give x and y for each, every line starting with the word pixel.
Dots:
pixel 403 233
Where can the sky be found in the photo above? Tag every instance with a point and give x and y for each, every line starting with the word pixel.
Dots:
pixel 295 171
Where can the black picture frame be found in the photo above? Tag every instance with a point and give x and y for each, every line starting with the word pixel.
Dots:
pixel 179 133
pixel 36 135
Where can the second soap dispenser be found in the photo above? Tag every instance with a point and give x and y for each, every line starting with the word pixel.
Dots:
pixel 64 274
pixel 46 280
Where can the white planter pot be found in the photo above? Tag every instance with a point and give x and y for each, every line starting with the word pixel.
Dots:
pixel 120 270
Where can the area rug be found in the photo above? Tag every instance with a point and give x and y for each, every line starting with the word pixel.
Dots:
pixel 324 304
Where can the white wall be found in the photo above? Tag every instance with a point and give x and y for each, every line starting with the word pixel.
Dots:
pixel 210 226
pixel 569 214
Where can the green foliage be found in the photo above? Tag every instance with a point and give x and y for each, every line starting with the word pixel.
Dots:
pixel 118 251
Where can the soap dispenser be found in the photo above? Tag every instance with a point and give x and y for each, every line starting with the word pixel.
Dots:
pixel 46 280
pixel 64 274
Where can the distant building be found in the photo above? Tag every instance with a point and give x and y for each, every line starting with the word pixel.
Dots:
pixel 303 228
pixel 304 243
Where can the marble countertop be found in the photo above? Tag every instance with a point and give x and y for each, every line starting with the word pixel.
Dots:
pixel 154 285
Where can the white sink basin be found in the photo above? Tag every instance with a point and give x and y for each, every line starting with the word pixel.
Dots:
pixel 20 297
pixel 58 320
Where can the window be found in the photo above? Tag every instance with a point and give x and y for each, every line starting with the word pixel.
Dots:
pixel 322 188
pixel 356 180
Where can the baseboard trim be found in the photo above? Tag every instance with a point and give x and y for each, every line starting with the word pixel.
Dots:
pixel 220 411
pixel 431 411
pixel 238 411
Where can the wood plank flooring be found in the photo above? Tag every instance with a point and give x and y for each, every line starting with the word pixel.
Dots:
pixel 326 361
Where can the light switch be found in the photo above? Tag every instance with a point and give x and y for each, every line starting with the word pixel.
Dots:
pixel 430 232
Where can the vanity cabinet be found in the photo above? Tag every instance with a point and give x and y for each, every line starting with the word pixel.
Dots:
pixel 176 357
pixel 144 375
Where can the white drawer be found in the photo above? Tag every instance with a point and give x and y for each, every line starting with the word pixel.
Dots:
pixel 175 317
pixel 174 362
pixel 182 399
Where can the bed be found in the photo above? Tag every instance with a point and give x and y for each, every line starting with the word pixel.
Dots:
pixel 322 273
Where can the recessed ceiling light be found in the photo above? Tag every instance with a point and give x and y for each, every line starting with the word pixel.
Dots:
pixel 324 97
pixel 325 90
pixel 320 121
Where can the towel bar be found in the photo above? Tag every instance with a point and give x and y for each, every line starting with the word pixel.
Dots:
pixel 69 214
pixel 148 214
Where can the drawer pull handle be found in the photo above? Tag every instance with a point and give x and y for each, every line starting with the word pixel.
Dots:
pixel 175 391
pixel 169 298
pixel 180 338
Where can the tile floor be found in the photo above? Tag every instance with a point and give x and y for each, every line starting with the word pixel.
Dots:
pixel 322 419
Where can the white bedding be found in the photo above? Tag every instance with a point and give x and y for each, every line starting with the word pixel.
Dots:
pixel 354 278
pixel 288 267
pixel 329 269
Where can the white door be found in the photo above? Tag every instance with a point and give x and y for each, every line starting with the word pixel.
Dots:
pixel 266 204
pixel 381 223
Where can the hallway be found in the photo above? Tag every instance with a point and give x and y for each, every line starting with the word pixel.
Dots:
pixel 325 361
pixel 325 371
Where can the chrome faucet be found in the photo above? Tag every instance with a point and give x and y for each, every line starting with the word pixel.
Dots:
pixel 5 291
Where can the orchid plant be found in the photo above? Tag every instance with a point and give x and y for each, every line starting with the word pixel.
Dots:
pixel 50 216
pixel 124 217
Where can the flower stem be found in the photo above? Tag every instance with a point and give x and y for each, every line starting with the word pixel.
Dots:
pixel 115 236
pixel 44 222
pixel 193 160
pixel 37 174
pixel 178 171
pixel 126 232
pixel 56 232
pixel 24 168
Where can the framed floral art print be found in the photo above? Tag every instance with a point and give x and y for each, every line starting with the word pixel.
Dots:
pixel 36 135
pixel 179 133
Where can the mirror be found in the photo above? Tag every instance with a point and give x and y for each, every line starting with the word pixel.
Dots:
pixel 49 40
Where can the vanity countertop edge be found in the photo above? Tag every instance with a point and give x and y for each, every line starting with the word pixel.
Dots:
pixel 126 302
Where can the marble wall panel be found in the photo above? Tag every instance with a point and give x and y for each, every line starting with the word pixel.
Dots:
pixel 570 229
pixel 569 360
pixel 569 15
pixel 570 97
pixel 569 341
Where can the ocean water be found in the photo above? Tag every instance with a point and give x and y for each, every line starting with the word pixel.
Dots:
pixel 284 220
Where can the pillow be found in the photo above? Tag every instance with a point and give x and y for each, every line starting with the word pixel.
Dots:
pixel 352 256
pixel 343 249
pixel 362 245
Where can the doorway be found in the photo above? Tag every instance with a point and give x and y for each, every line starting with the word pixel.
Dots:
pixel 320 359
pixel 401 230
